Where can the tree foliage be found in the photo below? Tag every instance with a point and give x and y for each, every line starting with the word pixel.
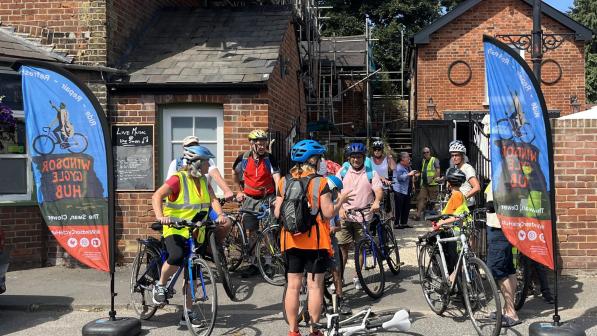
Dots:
pixel 585 12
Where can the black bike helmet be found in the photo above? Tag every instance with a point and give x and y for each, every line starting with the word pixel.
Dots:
pixel 377 144
pixel 455 176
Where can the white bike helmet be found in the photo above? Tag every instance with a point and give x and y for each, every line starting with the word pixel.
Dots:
pixel 457 146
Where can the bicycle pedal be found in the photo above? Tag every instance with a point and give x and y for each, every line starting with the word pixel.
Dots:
pixel 402 263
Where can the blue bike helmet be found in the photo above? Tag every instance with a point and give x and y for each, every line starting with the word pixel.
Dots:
pixel 355 148
pixel 304 149
pixel 335 183
pixel 198 152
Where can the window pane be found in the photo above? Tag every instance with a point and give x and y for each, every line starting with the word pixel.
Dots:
pixel 213 148
pixel 12 141
pixel 205 128
pixel 181 127
pixel 13 176
pixel 11 90
pixel 176 151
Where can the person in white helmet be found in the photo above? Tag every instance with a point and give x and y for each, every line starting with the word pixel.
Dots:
pixel 471 186
pixel 213 173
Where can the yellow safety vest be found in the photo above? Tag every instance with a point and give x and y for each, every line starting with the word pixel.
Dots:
pixel 429 170
pixel 188 203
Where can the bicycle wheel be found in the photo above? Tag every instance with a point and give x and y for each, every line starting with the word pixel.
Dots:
pixel 391 250
pixel 504 129
pixel 234 245
pixel 303 313
pixel 369 267
pixel 144 274
pixel 43 144
pixel 527 133
pixel 481 297
pixel 204 299
pixel 77 143
pixel 433 279
pixel 217 253
pixel 269 257
pixel 522 280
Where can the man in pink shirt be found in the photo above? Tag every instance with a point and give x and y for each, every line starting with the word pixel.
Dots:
pixel 356 182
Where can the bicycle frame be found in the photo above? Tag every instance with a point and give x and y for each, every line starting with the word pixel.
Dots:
pixel 461 260
pixel 379 228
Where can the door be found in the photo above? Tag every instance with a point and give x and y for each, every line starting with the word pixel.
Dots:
pixel 203 121
pixel 435 134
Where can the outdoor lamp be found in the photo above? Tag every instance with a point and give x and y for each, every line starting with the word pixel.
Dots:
pixel 575 104
pixel 431 107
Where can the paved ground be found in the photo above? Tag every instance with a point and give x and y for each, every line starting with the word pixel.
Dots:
pixel 59 301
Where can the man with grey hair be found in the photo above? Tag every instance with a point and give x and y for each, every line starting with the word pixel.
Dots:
pixel 402 183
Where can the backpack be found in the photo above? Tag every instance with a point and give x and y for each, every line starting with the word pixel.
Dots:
pixel 368 169
pixel 296 213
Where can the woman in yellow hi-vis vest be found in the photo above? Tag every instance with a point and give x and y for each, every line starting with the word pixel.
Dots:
pixel 182 197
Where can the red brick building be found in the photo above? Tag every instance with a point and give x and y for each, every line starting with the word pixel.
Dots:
pixel 448 86
pixel 227 71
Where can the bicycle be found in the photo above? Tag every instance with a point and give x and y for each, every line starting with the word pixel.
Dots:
pixel 369 253
pixel 199 281
pixel 514 125
pixel 472 276
pixel 523 281
pixel 45 143
pixel 370 322
pixel 266 246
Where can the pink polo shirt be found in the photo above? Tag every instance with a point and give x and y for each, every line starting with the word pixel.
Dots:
pixel 357 183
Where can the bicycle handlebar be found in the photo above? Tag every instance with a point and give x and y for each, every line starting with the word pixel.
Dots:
pixel 177 225
pixel 358 210
pixel 446 216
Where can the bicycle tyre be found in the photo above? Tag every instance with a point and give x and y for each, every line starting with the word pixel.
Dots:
pixel 78 143
pixel 43 144
pixel 234 245
pixel 522 280
pixel 481 297
pixel 392 251
pixel 433 279
pixel 206 307
pixel 144 274
pixel 503 129
pixel 303 313
pixel 363 249
pixel 221 266
pixel 269 256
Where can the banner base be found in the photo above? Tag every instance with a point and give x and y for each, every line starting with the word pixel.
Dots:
pixel 118 326
pixel 549 329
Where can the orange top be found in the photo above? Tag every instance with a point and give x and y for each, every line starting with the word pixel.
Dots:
pixel 455 201
pixel 308 240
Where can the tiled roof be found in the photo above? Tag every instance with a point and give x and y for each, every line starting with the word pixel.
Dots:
pixel 14 46
pixel 349 50
pixel 209 46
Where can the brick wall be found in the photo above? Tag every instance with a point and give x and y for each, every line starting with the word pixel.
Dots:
pixel 123 27
pixel 26 236
pixel 287 100
pixel 575 156
pixel 76 27
pixel 462 39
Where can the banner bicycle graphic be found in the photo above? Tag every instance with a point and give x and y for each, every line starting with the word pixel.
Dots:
pixel 515 124
pixel 45 143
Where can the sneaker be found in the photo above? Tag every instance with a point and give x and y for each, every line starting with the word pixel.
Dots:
pixel 343 307
pixel 294 333
pixel 195 321
pixel 316 333
pixel 159 294
pixel 357 284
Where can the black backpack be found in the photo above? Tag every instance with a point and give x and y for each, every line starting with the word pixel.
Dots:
pixel 295 213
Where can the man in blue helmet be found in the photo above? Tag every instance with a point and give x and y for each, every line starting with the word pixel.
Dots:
pixel 366 185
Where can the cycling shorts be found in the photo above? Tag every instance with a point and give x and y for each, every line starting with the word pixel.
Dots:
pixel 311 261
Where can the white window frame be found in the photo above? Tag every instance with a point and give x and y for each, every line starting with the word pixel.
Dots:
pixel 486 101
pixel 10 198
pixel 191 110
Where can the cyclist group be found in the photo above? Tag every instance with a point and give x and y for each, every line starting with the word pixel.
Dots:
pixel 325 197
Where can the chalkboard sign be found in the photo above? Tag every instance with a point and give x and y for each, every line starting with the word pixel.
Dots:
pixel 133 157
